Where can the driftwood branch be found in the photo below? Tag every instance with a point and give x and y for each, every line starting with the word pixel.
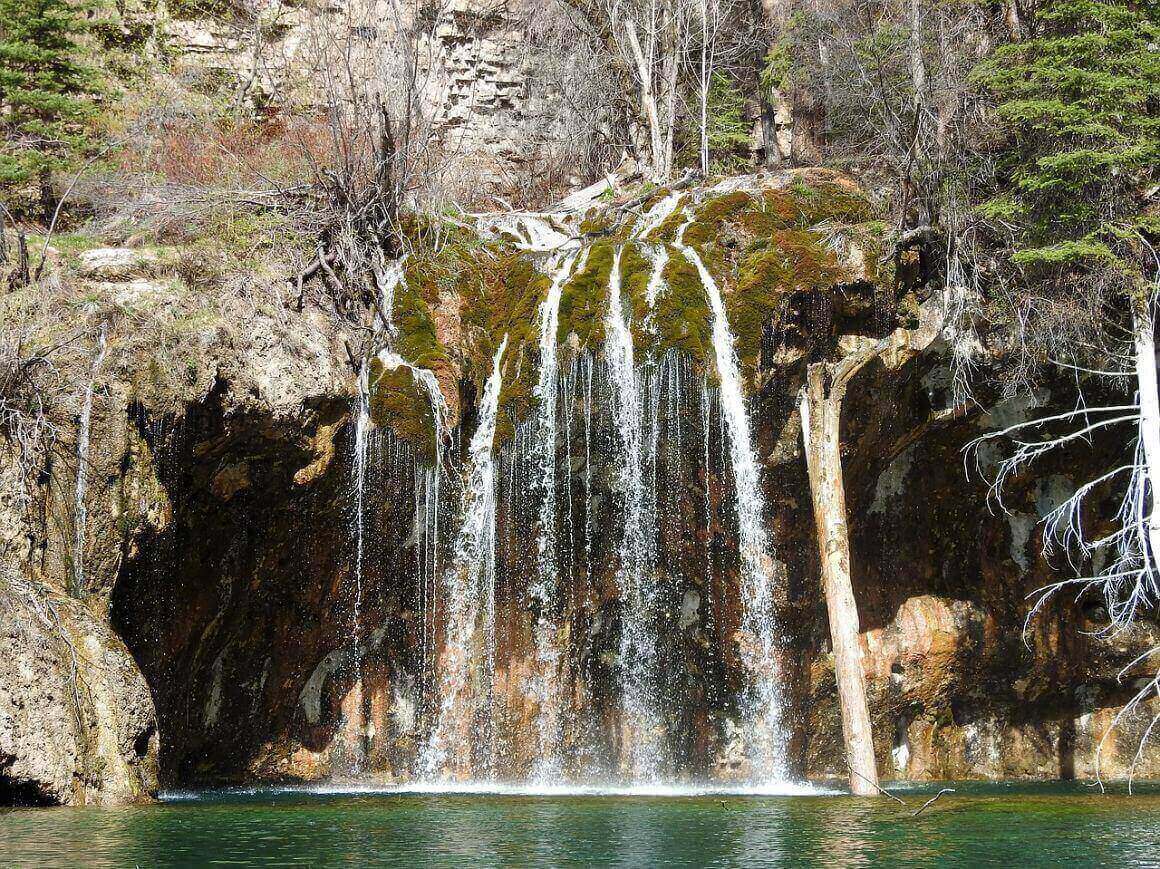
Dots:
pixel 932 800
pixel 686 180
pixel 874 785
pixel 942 792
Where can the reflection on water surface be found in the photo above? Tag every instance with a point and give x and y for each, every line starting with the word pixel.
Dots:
pixel 1028 825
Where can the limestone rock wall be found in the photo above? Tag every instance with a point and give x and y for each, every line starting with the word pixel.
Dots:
pixel 488 108
pixel 219 540
pixel 77 724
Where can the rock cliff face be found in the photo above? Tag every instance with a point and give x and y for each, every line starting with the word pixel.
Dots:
pixel 484 87
pixel 218 547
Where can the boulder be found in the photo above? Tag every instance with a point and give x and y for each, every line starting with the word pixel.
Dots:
pixel 77 724
pixel 113 263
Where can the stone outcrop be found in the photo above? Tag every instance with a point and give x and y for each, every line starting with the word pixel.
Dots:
pixel 77 717
pixel 77 724
pixel 218 549
pixel 477 70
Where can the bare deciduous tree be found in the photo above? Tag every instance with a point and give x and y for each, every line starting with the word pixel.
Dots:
pixel 1118 561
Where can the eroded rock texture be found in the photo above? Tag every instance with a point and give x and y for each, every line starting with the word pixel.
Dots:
pixel 76 718
pixel 220 539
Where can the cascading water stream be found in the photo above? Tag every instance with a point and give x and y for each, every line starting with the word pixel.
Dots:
pixel 362 429
pixel 762 701
pixel 530 231
pixel 631 429
pixel 388 276
pixel 544 587
pixel 643 739
pixel 424 378
pixel 469 586
pixel 80 516
pixel 655 216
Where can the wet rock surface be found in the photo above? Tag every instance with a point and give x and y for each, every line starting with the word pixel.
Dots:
pixel 219 550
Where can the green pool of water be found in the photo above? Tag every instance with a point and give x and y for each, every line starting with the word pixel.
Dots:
pixel 996 824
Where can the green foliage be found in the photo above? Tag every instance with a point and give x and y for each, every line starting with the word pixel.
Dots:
pixel 193 9
pixel 728 129
pixel 1079 105
pixel 777 67
pixel 48 87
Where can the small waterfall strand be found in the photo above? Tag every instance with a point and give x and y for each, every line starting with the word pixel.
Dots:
pixel 84 427
pixel 635 574
pixel 543 590
pixel 762 703
pixel 469 592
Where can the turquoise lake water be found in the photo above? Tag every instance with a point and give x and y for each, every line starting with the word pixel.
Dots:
pixel 996 824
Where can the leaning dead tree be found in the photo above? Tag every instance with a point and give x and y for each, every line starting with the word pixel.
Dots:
pixel 821 414
pixel 820 410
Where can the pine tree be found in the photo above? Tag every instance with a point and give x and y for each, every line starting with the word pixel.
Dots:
pixel 1080 104
pixel 47 90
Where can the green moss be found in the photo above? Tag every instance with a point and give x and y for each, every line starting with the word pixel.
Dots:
pixel 710 218
pixel 635 271
pixel 668 228
pixel 454 264
pixel 596 223
pixel 835 201
pixel 585 297
pixel 792 261
pixel 508 304
pixel 399 403
pixel 681 314
pixel 417 341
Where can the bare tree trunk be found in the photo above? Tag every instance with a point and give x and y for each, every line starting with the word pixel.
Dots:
pixel 821 411
pixel 48 200
pixel 648 101
pixel 1146 384
pixel 21 275
pixel 917 63
pixel 1013 20
pixel 670 53
pixel 706 74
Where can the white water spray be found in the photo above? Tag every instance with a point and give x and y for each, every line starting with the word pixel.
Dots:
pixel 469 586
pixel 762 703
pixel 83 435
pixel 642 750
pixel 530 230
pixel 655 216
pixel 543 588
pixel 362 428
pixel 425 379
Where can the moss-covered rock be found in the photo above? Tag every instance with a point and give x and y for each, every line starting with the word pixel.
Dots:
pixel 585 297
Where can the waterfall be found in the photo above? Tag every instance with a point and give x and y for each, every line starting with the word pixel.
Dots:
pixel 635 576
pixel 80 515
pixel 655 216
pixel 388 277
pixel 362 428
pixel 544 587
pixel 425 379
pixel 762 701
pixel 530 231
pixel 656 281
pixel 587 512
pixel 469 587
pixel 658 255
